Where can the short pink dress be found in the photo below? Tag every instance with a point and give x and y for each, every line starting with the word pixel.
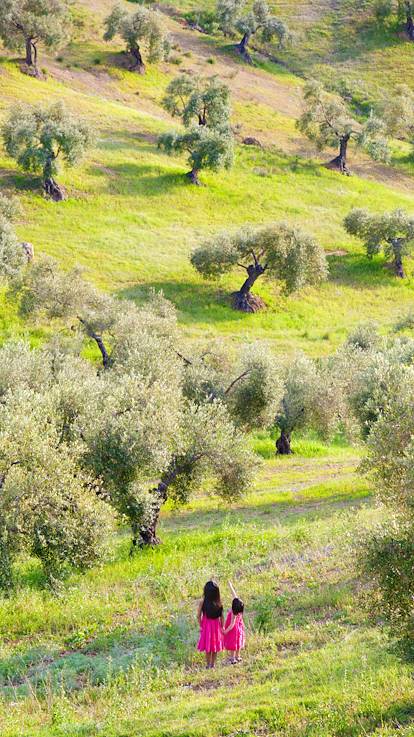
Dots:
pixel 211 635
pixel 236 638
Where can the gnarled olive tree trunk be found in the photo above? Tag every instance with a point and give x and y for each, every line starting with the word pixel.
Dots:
pixel 244 300
pixel 31 52
pixel 50 185
pixel 397 247
pixel 283 444
pixel 339 162
pixel 409 25
pixel 146 534
pixel 242 47
pixel 138 64
pixel 193 176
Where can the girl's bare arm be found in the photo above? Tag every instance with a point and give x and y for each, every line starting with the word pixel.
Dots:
pixel 199 609
pixel 232 589
pixel 231 625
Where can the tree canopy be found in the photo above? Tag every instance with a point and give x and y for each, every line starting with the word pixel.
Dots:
pixel 143 28
pixel 328 121
pixel 207 148
pixel 194 99
pixel 233 17
pixel 38 138
pixel 310 399
pixel 134 420
pixel 26 23
pixel 392 232
pixel 284 253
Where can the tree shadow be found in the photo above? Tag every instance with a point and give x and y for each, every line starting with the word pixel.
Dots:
pixel 269 513
pixel 90 659
pixel 141 180
pixel 21 181
pixel 196 302
pixel 362 273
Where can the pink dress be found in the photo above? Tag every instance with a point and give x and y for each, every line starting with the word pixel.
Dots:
pixel 211 635
pixel 236 638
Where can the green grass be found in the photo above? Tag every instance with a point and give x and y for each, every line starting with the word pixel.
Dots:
pixel 132 221
pixel 115 655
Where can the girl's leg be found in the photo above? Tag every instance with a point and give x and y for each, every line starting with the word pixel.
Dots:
pixel 208 660
pixel 237 656
pixel 213 659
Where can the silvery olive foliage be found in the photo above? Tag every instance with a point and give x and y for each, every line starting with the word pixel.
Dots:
pixel 311 399
pixel 386 554
pixel 328 122
pixel 49 505
pixel 141 29
pixel 390 232
pixel 130 420
pixel 233 17
pixel 397 112
pixel 286 254
pixel 249 382
pixel 40 137
pixel 369 368
pixel 12 257
pixel 198 100
pixel 26 23
pixel 206 148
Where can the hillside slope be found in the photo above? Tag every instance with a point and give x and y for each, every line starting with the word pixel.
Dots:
pixel 132 220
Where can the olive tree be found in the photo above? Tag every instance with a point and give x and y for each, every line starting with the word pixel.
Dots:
pixel 38 138
pixel 386 554
pixel 248 381
pixel 310 399
pixel 26 23
pixel 282 252
pixel 12 256
pixel 327 121
pixel 402 9
pixel 397 112
pixel 140 424
pixel 209 446
pixel 194 99
pixel 143 28
pixel 392 232
pixel 207 148
pixel 48 505
pixel 259 22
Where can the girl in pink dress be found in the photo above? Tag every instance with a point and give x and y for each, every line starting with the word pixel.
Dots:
pixel 234 635
pixel 210 619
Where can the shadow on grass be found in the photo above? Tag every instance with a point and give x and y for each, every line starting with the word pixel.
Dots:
pixel 196 302
pixel 89 659
pixel 21 181
pixel 267 514
pixel 361 272
pixel 144 180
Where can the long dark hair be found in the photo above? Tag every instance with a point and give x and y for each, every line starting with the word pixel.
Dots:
pixel 237 606
pixel 212 606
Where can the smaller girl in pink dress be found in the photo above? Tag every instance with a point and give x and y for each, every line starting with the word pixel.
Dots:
pixel 234 634
pixel 210 619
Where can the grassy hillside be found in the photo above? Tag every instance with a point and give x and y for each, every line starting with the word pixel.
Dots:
pixel 132 220
pixel 114 656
